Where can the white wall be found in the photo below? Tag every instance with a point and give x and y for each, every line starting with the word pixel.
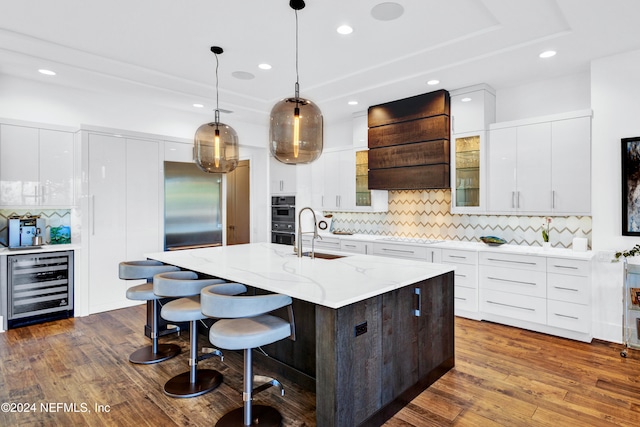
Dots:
pixel 615 91
pixel 560 95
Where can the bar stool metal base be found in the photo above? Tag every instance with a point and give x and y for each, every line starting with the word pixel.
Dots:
pixel 181 385
pixel 146 355
pixel 261 415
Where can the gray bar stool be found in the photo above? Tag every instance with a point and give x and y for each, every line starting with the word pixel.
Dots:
pixel 187 309
pixel 146 269
pixel 244 325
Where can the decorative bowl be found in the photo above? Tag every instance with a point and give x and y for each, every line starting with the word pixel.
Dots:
pixel 493 240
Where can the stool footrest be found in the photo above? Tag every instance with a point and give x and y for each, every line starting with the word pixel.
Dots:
pixel 267 382
pixel 209 352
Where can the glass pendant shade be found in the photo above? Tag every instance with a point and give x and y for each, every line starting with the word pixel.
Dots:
pixel 216 148
pixel 295 131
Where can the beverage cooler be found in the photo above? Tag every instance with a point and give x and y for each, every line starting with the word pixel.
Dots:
pixel 39 287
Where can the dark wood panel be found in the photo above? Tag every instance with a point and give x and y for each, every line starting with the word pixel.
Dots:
pixel 420 153
pixel 415 107
pixel 428 129
pixel 410 178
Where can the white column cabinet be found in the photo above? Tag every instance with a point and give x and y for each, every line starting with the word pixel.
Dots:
pixel 282 177
pixel 502 170
pixel 533 168
pixel 36 167
pixel 123 202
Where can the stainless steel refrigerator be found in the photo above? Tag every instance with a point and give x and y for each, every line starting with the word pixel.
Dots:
pixel 192 207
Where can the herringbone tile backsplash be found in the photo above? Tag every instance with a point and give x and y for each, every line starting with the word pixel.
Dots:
pixel 426 214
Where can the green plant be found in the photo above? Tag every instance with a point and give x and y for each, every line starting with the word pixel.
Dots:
pixel 545 229
pixel 630 253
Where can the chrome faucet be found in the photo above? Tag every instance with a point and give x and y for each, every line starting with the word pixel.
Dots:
pixel 300 233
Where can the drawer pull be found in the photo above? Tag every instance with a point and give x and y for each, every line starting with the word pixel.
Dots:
pixel 566 316
pixel 460 298
pixel 350 246
pixel 512 306
pixel 398 250
pixel 565 289
pixel 570 267
pixel 457 256
pixel 513 262
pixel 461 275
pixel 511 281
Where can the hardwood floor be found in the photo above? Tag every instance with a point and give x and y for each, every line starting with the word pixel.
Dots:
pixel 503 377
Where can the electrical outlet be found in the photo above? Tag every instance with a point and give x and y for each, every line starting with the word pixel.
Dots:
pixel 361 328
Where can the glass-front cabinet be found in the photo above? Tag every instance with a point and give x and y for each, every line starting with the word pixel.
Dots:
pixel 468 172
pixel 363 194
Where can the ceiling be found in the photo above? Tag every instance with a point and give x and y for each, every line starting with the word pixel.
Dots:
pixel 158 50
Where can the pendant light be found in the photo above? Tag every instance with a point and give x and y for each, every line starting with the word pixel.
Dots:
pixel 215 147
pixel 295 130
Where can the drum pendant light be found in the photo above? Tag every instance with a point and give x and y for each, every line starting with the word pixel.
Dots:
pixel 295 129
pixel 215 147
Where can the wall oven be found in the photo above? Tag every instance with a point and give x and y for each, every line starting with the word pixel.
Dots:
pixel 39 287
pixel 283 219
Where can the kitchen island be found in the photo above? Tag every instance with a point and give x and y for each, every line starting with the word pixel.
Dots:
pixel 371 332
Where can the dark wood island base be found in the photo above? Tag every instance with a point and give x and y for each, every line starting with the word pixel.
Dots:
pixel 369 359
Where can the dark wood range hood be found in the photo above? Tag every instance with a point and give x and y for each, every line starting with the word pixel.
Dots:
pixel 409 143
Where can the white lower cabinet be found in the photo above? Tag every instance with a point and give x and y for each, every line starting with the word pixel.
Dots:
pixel 401 250
pixel 540 293
pixel 356 246
pixel 466 281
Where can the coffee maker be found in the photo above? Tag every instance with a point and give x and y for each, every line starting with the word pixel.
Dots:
pixel 26 231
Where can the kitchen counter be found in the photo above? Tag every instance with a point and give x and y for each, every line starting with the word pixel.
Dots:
pixel 43 248
pixel 371 332
pixel 332 283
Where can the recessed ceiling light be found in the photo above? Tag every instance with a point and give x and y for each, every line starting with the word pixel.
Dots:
pixel 387 11
pixel 243 75
pixel 465 99
pixel 433 82
pixel 264 66
pixel 548 54
pixel 47 72
pixel 352 102
pixel 344 29
pixel 198 105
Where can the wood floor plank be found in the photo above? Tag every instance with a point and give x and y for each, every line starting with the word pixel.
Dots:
pixel 503 376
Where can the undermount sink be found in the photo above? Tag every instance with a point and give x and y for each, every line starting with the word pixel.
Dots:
pixel 323 256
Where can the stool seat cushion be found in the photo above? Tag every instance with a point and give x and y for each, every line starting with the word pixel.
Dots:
pixel 181 284
pixel 244 333
pixel 183 310
pixel 143 269
pixel 142 292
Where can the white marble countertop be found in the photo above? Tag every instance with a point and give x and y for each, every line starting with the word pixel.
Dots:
pixel 468 246
pixel 332 283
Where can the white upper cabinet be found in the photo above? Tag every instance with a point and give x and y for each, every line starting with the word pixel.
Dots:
pixel 283 177
pixel 36 167
pixel 472 109
pixel 571 166
pixel 178 152
pixel 541 166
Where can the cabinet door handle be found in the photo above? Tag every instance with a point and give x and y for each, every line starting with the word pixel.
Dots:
pixel 570 267
pixel 514 262
pixel 565 289
pixel 432 257
pixel 418 304
pixel 566 316
pixel 512 306
pixel 517 200
pixel 513 199
pixel 93 215
pixel 397 251
pixel 553 199
pixel 511 281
